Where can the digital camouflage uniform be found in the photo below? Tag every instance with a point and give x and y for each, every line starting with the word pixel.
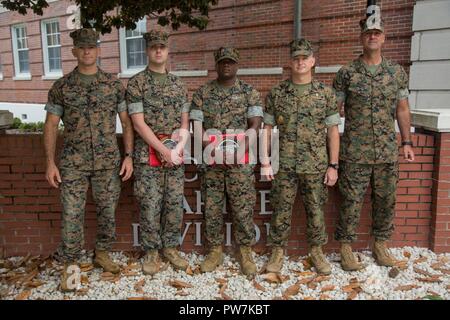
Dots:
pixel 302 121
pixel 223 109
pixel 90 151
pixel 159 190
pixel 369 148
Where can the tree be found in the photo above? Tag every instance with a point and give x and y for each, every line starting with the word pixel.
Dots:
pixel 103 15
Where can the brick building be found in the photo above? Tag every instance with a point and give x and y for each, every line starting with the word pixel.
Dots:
pixel 35 50
pixel 260 29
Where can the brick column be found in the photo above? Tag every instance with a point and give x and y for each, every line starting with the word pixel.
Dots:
pixel 440 223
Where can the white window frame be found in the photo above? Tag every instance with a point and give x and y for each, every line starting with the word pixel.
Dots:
pixel 20 75
pixel 99 57
pixel 47 74
pixel 124 71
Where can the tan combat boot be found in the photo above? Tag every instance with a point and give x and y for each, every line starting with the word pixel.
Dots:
pixel 348 259
pixel 381 254
pixel 248 267
pixel 151 263
pixel 213 259
pixel 67 284
pixel 175 259
pixel 319 260
pixel 276 260
pixel 103 260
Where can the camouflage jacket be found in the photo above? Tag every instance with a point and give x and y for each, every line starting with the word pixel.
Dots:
pixel 89 117
pixel 162 105
pixel 370 103
pixel 223 109
pixel 302 122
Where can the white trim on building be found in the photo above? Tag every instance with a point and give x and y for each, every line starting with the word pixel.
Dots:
pixel 259 71
pixel 437 120
pixel 327 69
pixel 190 73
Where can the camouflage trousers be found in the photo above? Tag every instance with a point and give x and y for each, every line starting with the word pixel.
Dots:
pixel 239 186
pixel 159 192
pixel 314 194
pixel 106 186
pixel 353 182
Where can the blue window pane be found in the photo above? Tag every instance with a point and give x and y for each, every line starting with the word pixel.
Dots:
pixel 24 65
pixel 136 56
pixel 54 58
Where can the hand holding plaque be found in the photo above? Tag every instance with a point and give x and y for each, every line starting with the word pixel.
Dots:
pixel 168 159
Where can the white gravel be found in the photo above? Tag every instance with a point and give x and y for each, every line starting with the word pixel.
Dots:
pixel 226 282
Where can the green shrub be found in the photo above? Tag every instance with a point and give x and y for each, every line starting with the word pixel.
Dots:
pixel 16 123
pixel 28 126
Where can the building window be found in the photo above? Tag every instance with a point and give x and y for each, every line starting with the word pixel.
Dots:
pixel 133 57
pixel 51 46
pixel 21 55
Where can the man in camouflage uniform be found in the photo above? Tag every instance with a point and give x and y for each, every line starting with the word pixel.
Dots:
pixel 306 115
pixel 374 92
pixel 227 104
pixel 87 100
pixel 158 105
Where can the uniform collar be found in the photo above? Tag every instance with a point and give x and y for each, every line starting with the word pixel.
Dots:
pixel 361 66
pixel 152 77
pixel 290 88
pixel 74 76
pixel 235 88
pixel 147 69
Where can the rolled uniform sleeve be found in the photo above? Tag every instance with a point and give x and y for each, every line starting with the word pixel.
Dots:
pixel 332 115
pixel 196 113
pixel 340 86
pixel 403 91
pixel 186 107
pixel 121 99
pixel 134 97
pixel 55 103
pixel 269 114
pixel 254 108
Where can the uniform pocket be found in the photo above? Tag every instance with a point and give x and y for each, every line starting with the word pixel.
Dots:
pixel 389 90
pixel 211 110
pixel 236 118
pixel 359 91
pixel 317 111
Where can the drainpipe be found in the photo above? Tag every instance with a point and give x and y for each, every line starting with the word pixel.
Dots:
pixel 298 19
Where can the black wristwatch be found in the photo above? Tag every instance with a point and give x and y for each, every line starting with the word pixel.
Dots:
pixel 407 143
pixel 129 154
pixel 334 165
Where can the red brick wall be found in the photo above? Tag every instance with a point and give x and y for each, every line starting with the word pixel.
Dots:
pixel 30 212
pixel 260 29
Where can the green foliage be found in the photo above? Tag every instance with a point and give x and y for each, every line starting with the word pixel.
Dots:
pixel 16 123
pixel 103 15
pixel 28 127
